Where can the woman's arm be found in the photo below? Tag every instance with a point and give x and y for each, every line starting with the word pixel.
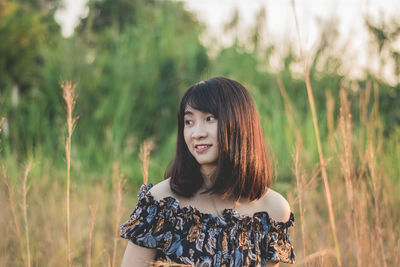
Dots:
pixel 272 264
pixel 136 256
pixel 279 210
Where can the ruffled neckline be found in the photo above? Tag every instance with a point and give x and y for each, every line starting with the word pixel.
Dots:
pixel 228 215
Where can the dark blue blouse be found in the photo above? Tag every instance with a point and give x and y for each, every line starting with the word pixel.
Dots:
pixel 187 236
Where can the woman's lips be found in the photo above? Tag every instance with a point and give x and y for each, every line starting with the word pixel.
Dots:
pixel 202 148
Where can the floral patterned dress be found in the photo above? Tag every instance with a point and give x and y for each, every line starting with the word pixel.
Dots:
pixel 184 235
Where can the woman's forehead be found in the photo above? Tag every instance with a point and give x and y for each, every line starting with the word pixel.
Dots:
pixel 189 110
pixel 200 100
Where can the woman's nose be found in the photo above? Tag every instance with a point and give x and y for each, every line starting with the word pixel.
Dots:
pixel 199 131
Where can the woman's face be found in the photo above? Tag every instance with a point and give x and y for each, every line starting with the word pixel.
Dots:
pixel 201 137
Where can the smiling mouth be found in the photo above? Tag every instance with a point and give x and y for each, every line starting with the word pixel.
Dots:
pixel 202 148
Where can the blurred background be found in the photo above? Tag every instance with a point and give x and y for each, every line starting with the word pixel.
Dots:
pixel 132 60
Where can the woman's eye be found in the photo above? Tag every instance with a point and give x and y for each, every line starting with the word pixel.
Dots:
pixel 188 122
pixel 211 118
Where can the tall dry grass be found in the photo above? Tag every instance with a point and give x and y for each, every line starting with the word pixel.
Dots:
pixel 25 212
pixel 118 185
pixel 144 155
pixel 346 159
pixel 362 193
pixel 13 209
pixel 365 204
pixel 328 195
pixel 69 96
pixel 93 211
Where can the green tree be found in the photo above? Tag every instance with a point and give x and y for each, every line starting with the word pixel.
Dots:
pixel 21 32
pixel 137 75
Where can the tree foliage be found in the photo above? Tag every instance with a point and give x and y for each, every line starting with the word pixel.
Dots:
pixel 132 61
pixel 21 32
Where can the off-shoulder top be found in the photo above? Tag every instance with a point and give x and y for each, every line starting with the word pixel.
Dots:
pixel 184 235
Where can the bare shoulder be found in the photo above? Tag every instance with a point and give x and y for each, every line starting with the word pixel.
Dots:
pixel 276 205
pixel 161 190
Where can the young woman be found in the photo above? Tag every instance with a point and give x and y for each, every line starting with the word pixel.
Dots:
pixel 215 207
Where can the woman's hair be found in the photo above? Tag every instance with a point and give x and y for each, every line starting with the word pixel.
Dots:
pixel 243 167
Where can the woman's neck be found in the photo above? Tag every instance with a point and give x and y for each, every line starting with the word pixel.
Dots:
pixel 208 177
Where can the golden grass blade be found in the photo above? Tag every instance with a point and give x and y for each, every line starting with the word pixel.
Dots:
pixel 290 111
pixel 25 212
pixel 377 196
pixel 12 201
pixel 330 106
pixel 145 150
pixel 70 100
pixel 328 195
pixel 299 182
pixel 315 255
pixel 118 185
pixel 93 212
pixel 374 146
pixel 319 146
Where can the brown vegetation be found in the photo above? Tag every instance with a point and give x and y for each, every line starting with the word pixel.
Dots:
pixel 364 203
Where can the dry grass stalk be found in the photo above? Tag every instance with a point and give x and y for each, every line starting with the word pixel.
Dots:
pixel 323 167
pixel 145 150
pixel 372 201
pixel 290 111
pixel 365 240
pixel 299 183
pixel 377 196
pixel 25 212
pixel 316 255
pixel 70 100
pixel 118 185
pixel 14 213
pixel 318 139
pixel 363 107
pixel 93 211
pixel 330 106
pixel 347 168
pixel 364 100
pixel 374 146
pixel 104 258
pixel 374 125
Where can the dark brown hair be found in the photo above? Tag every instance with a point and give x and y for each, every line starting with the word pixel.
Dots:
pixel 243 169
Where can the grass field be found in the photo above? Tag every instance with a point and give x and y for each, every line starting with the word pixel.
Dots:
pixel 56 217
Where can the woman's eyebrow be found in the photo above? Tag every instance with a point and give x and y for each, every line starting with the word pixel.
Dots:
pixel 188 112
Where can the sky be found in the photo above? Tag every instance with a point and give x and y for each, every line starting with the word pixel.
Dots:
pixel 280 22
